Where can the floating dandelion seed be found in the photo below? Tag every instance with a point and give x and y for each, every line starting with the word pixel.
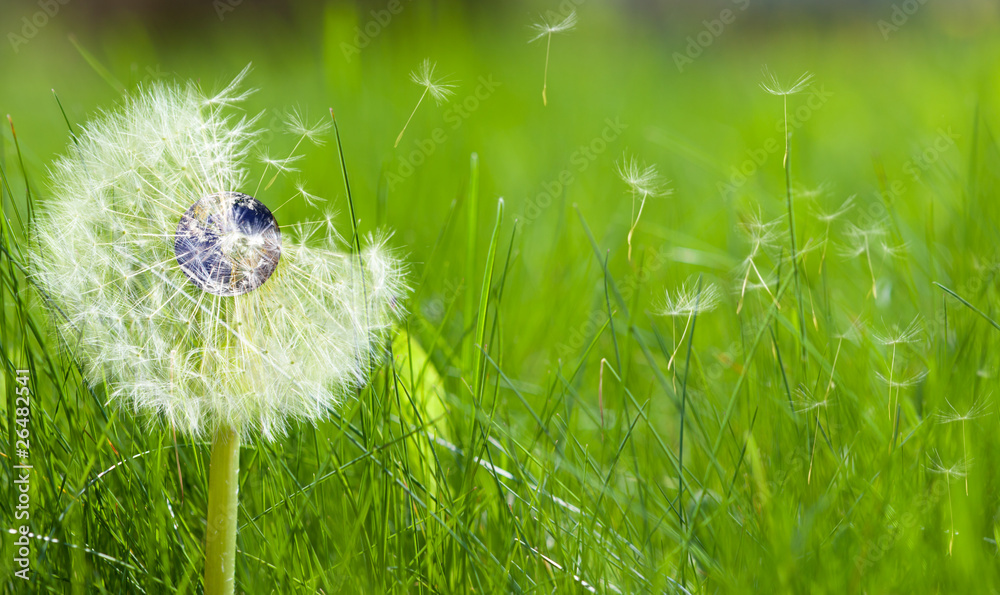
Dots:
pixel 686 302
pixel 439 89
pixel 895 336
pixel 860 240
pixel 772 86
pixel 183 292
pixel 892 251
pixel 297 124
pixel 811 193
pixel 544 29
pixel 958 470
pixel 761 235
pixel 828 217
pixel 977 410
pixel 902 381
pixel 643 181
pixel 809 402
pixel 309 198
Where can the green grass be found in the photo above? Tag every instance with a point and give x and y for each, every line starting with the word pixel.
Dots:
pixel 527 435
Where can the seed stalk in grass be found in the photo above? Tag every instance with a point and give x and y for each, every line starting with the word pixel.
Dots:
pixel 773 87
pixel 544 29
pixel 643 182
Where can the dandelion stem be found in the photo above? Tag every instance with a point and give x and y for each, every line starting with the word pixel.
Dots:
pixel 677 345
pixel 635 223
pixel 415 108
pixel 812 451
pixel 965 454
pixel 951 509
pixel 545 77
pixel 791 226
pixel 892 366
pixel 822 257
pixel 871 269
pixel 223 496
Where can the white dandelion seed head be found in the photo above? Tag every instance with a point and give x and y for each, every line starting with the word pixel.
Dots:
pixel 893 250
pixel 975 411
pixel 643 180
pixel 831 216
pixel 895 334
pixel 544 28
pixel 686 300
pixel 298 125
pixel 806 401
pixel 859 240
pixel 811 193
pixel 440 89
pixel 184 293
pixel 936 465
pixel 774 87
pixel 902 381
pixel 760 234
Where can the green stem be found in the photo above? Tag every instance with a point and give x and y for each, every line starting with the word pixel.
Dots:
pixel 791 228
pixel 545 77
pixel 223 497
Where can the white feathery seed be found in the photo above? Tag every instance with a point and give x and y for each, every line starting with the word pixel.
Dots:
pixel 643 181
pixel 775 87
pixel 546 29
pixel 293 348
pixel 440 89
pixel 688 300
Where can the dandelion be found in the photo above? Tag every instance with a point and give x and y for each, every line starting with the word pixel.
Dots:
pixel 950 472
pixel 183 291
pixel 828 217
pixel 892 251
pixel 544 29
pixel 297 124
pixel 809 402
pixel 761 235
pixel 977 410
pixel 309 198
pixel 439 89
pixel 903 382
pixel 772 86
pixel 812 193
pixel 643 181
pixel 893 337
pixel 860 241
pixel 896 335
pixel 686 302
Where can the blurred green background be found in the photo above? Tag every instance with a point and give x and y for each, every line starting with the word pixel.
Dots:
pixel 900 116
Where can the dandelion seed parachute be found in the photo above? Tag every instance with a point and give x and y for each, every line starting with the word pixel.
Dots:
pixel 182 289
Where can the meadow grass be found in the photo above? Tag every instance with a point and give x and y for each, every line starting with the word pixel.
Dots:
pixel 543 426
